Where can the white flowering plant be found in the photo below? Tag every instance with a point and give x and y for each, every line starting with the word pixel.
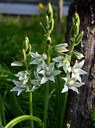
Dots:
pixel 41 69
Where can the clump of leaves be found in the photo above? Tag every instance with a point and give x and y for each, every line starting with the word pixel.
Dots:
pixel 93 116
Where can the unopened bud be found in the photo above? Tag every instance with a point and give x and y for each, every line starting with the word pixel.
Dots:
pixel 50 11
pixel 24 54
pixel 51 25
pixel 49 40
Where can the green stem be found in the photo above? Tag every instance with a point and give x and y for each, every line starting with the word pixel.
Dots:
pixel 46 91
pixel 65 97
pixel 49 56
pixel 2 112
pixel 31 108
pixel 58 99
pixel 46 103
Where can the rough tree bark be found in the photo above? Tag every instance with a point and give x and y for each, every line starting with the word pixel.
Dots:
pixel 79 106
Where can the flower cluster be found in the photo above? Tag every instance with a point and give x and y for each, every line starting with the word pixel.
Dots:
pixel 42 74
pixel 72 73
pixel 47 71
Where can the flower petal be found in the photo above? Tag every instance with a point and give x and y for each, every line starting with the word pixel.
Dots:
pixel 78 55
pixel 58 59
pixel 33 54
pixel 19 90
pixel 81 63
pixel 65 89
pixel 17 83
pixel 34 62
pixel 82 71
pixel 51 78
pixel 17 63
pixel 74 89
pixel 42 72
pixel 44 80
pixel 56 72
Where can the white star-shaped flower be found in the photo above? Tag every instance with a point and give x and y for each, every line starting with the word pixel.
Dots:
pixel 63 61
pixel 20 87
pixel 23 76
pixel 22 84
pixel 71 83
pixel 77 70
pixel 48 73
pixel 38 60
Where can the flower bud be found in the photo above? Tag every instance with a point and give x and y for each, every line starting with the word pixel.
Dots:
pixel 79 38
pixel 51 25
pixel 49 40
pixel 50 11
pixel 24 54
pixel 75 26
pixel 26 43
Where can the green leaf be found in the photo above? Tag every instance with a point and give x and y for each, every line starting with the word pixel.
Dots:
pixel 19 119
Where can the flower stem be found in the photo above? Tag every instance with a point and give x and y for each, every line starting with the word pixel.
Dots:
pixel 46 103
pixel 46 91
pixel 30 108
pixel 65 97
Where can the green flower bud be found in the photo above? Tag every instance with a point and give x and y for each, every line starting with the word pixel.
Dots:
pixel 68 125
pixel 26 43
pixel 49 40
pixel 75 26
pixel 77 19
pixel 30 48
pixel 24 54
pixel 47 22
pixel 50 11
pixel 51 25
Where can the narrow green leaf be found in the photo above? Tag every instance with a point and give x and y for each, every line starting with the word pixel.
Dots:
pixel 2 112
pixel 19 119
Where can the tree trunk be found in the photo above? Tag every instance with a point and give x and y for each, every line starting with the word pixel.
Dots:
pixel 79 106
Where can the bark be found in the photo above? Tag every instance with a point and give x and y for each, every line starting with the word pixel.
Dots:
pixel 79 106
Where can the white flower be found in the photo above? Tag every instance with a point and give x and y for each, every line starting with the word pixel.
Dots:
pixel 48 73
pixel 23 76
pixel 17 63
pixel 71 83
pixel 78 54
pixel 77 71
pixel 36 82
pixel 19 87
pixel 61 48
pixel 63 62
pixel 38 59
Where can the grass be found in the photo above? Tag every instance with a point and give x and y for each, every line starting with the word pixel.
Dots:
pixel 12 33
